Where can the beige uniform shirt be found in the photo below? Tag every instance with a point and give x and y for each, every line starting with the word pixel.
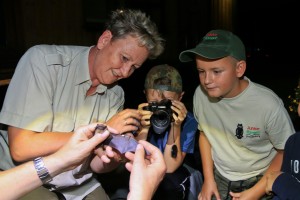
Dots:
pixel 48 93
pixel 243 131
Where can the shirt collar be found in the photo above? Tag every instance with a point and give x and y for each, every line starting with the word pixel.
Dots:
pixel 83 75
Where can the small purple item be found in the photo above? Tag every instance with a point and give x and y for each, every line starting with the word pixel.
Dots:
pixel 123 143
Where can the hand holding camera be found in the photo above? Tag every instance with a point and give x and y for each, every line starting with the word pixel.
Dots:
pixel 179 112
pixel 162 115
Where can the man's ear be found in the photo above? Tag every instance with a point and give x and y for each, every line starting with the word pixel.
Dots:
pixel 104 39
pixel 240 68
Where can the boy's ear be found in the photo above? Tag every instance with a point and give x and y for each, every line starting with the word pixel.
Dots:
pixel 240 68
pixel 180 96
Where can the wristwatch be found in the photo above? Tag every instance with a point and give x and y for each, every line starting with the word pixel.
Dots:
pixel 41 170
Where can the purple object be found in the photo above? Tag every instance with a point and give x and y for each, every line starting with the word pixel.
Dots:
pixel 123 143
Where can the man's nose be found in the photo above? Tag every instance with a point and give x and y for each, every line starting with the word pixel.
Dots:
pixel 126 71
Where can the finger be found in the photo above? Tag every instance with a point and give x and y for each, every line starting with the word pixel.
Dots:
pixel 128 166
pixel 156 155
pixel 112 130
pixel 145 123
pixel 129 155
pixel 218 195
pixel 139 155
pixel 132 113
pixel 132 121
pixel 105 159
pixel 109 151
pixel 142 105
pixel 97 139
pixel 99 151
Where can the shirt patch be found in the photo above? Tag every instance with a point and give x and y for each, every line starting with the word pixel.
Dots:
pixel 252 132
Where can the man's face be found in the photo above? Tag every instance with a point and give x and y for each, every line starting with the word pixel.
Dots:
pixel 154 95
pixel 117 59
pixel 220 77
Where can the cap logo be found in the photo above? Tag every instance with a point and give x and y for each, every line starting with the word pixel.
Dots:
pixel 211 36
pixel 216 44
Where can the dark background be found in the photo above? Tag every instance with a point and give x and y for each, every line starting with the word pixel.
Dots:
pixel 267 27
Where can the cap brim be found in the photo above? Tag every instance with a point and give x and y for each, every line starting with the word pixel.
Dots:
pixel 203 51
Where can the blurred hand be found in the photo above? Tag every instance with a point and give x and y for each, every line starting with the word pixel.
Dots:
pixel 146 172
pixel 80 146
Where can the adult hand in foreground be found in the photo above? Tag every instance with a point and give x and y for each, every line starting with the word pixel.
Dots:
pixel 146 171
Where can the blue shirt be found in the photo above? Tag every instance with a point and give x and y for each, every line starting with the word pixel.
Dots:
pixel 287 185
pixel 187 136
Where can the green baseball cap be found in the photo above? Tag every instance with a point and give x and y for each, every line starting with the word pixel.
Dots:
pixel 163 77
pixel 216 44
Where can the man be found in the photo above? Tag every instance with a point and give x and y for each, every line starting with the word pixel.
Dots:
pixel 56 89
pixel 243 125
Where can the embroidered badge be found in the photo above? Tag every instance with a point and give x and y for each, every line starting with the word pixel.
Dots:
pixel 239 132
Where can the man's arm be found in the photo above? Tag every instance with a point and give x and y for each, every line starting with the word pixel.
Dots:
pixel 25 145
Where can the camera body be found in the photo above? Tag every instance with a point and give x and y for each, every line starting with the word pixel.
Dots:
pixel 162 115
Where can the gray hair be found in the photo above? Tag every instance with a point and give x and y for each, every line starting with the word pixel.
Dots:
pixel 137 24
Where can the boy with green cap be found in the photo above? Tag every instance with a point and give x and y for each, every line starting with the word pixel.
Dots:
pixel 167 124
pixel 243 125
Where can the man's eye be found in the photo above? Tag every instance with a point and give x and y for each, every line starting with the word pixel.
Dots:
pixel 124 59
pixel 133 67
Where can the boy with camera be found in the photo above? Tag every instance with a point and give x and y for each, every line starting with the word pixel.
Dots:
pixel 167 124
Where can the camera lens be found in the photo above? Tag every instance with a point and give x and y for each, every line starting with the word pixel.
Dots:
pixel 160 121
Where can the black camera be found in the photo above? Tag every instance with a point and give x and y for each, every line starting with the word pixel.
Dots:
pixel 162 115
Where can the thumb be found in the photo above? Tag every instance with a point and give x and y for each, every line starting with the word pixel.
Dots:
pixel 139 153
pixel 97 139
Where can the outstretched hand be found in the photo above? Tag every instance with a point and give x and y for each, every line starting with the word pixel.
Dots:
pixel 80 146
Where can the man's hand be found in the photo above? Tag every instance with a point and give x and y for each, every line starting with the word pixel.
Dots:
pixel 127 120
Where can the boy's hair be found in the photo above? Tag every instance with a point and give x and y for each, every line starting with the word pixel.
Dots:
pixel 135 23
pixel 164 77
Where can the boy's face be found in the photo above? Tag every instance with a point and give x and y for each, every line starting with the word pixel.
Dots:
pixel 220 78
pixel 154 95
